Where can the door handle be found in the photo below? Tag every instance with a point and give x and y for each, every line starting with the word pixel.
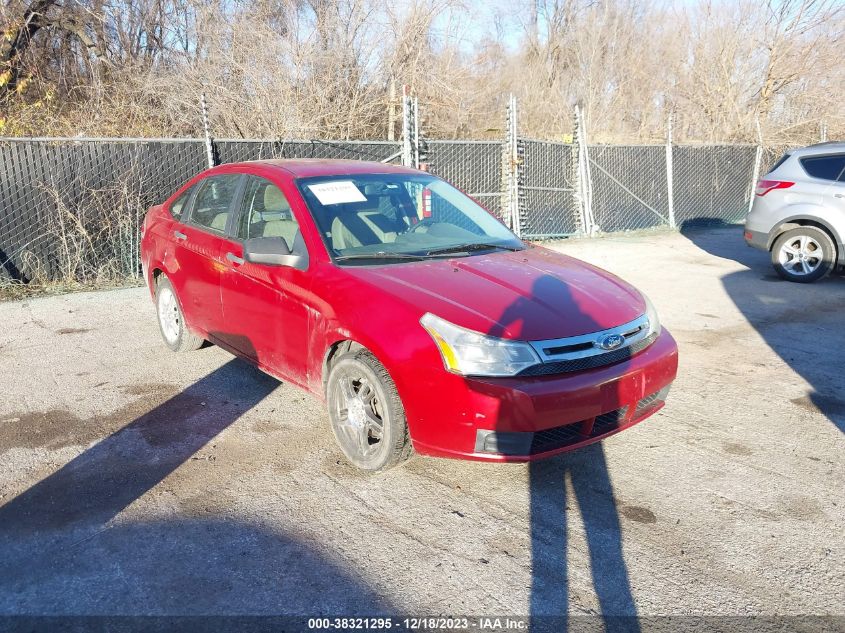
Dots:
pixel 179 235
pixel 839 195
pixel 237 261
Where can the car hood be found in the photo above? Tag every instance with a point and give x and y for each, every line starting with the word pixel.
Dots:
pixel 533 294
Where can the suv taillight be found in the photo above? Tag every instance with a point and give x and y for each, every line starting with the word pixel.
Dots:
pixel 765 186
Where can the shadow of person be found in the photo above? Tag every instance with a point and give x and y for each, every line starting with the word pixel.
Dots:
pixel 589 480
pixel 801 323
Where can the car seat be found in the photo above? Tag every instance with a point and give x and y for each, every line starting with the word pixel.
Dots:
pixel 368 223
pixel 278 217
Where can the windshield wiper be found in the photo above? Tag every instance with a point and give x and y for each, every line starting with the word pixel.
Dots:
pixel 468 248
pixel 378 255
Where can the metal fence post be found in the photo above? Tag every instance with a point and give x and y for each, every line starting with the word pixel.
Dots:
pixel 758 159
pixel 511 170
pixel 409 129
pixel 670 185
pixel 209 147
pixel 583 188
pixel 416 114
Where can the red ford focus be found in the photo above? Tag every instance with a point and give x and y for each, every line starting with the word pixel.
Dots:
pixel 422 321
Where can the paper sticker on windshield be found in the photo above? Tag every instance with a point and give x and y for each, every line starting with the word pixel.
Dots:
pixel 337 192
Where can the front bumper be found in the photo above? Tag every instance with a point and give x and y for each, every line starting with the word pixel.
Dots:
pixel 522 419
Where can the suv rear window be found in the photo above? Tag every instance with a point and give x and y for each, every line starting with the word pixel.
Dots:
pixel 825 167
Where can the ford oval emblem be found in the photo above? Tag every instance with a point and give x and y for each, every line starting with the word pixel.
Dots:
pixel 610 341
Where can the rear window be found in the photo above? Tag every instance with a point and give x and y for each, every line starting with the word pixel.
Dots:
pixel 213 201
pixel 824 167
pixel 178 206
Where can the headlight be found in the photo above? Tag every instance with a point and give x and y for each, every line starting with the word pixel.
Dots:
pixel 653 319
pixel 474 354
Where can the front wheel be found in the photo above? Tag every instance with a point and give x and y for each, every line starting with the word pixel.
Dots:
pixel 171 320
pixel 367 416
pixel 804 254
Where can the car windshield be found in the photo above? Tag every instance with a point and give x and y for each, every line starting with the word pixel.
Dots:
pixel 390 218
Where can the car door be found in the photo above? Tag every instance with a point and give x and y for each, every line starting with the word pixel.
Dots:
pixel 265 307
pixel 199 247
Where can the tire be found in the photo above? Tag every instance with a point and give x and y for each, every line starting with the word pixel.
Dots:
pixel 804 255
pixel 171 322
pixel 367 416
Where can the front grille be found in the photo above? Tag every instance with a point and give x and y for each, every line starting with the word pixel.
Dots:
pixel 589 362
pixel 651 402
pixel 646 403
pixel 607 422
pixel 557 437
pixel 570 434
pixel 517 443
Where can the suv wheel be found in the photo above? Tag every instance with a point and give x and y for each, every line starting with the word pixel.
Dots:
pixel 804 254
pixel 171 321
pixel 367 416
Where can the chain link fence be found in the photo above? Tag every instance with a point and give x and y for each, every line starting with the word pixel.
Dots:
pixel 234 151
pixel 549 175
pixel 713 183
pixel 475 167
pixel 70 208
pixel 629 187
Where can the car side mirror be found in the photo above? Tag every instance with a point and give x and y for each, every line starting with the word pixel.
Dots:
pixel 274 251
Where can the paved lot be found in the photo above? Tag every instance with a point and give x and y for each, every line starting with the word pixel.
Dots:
pixel 135 480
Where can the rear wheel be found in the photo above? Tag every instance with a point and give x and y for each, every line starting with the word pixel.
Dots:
pixel 171 321
pixel 367 416
pixel 804 254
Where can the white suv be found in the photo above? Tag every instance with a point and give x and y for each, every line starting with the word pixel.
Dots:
pixel 799 212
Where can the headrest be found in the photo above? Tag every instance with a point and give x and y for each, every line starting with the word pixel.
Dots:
pixel 274 199
pixel 375 189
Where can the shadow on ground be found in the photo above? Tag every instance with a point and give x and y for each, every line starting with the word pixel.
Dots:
pixel 803 323
pixel 587 472
pixel 65 550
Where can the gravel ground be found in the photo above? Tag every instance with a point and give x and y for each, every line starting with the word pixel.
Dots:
pixel 138 481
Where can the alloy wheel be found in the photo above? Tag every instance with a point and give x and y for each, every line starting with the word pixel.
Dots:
pixel 168 315
pixel 801 255
pixel 360 420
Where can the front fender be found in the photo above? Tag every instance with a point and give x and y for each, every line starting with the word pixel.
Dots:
pixel 383 324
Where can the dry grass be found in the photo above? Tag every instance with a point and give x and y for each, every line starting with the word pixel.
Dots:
pixel 90 239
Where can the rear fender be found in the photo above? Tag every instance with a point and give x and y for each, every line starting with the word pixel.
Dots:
pixel 813 215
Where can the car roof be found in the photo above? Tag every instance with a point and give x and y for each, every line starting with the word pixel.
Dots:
pixel 829 147
pixel 310 167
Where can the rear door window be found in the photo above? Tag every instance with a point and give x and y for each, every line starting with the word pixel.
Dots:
pixel 824 167
pixel 213 203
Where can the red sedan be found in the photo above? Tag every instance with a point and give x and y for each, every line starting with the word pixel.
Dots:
pixel 423 322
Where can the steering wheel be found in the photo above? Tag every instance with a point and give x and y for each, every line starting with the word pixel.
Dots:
pixel 423 222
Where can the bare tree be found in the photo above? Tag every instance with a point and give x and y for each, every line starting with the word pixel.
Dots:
pixel 332 68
